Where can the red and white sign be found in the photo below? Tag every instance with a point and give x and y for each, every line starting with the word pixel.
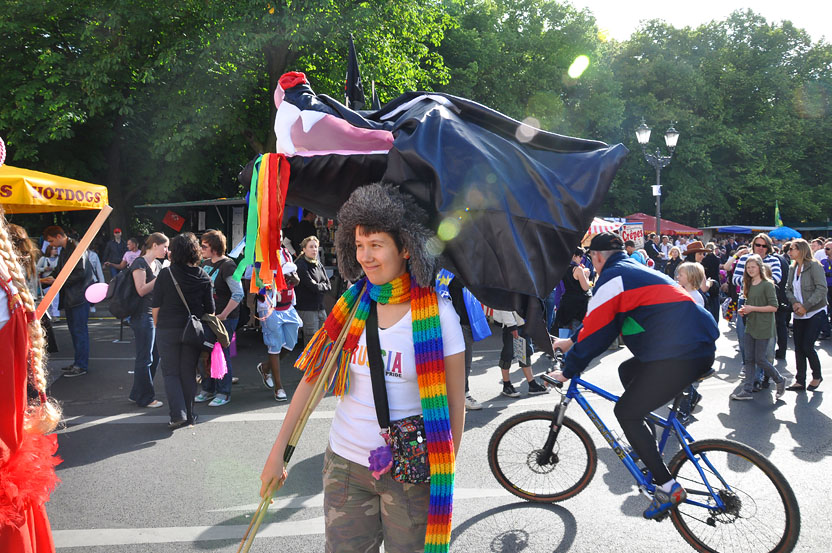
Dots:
pixel 634 232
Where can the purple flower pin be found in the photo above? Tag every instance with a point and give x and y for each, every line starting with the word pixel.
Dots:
pixel 381 460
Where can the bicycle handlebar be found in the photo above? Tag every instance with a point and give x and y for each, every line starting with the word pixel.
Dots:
pixel 553 381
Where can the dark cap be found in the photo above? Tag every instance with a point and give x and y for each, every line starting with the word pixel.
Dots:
pixel 606 241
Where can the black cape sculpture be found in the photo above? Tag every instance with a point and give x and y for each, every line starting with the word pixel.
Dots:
pixel 510 202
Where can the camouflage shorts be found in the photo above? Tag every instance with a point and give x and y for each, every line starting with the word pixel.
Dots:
pixel 361 512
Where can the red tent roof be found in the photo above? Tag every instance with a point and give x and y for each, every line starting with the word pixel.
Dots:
pixel 668 227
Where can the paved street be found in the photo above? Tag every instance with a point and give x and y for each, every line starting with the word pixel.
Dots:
pixel 131 485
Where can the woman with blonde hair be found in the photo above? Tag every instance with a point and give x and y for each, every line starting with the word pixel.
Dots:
pixel 806 293
pixel 673 262
pixel 758 309
pixel 27 454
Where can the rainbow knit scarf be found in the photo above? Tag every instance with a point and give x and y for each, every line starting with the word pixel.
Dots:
pixel 430 369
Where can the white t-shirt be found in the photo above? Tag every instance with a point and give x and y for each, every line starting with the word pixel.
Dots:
pixel 355 431
pixel 820 255
pixel 798 295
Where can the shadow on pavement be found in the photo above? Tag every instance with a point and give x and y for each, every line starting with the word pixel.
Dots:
pixel 517 527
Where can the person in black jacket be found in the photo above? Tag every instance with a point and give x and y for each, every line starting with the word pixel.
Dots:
pixel 170 315
pixel 72 300
pixel 313 285
pixel 711 265
pixel 784 311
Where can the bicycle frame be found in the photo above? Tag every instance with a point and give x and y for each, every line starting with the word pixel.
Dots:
pixel 671 425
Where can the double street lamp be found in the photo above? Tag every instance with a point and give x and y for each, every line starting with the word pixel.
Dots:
pixel 657 160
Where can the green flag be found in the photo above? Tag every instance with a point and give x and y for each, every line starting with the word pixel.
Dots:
pixel 778 222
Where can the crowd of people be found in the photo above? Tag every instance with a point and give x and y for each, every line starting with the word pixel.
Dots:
pixel 763 287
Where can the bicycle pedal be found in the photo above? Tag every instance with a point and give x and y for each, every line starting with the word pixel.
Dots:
pixel 662 516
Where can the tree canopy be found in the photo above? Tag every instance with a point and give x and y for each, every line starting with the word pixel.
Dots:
pixel 167 102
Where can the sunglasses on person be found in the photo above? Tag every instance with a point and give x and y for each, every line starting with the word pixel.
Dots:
pixel 758 245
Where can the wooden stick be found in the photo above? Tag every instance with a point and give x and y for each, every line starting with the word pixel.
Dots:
pixel 260 508
pixel 321 382
pixel 257 520
pixel 82 246
pixel 323 377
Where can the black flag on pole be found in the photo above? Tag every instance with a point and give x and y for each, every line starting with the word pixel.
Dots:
pixel 353 89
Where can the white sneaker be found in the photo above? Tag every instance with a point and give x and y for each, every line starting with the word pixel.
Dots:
pixel 219 400
pixel 265 376
pixel 280 395
pixel 472 404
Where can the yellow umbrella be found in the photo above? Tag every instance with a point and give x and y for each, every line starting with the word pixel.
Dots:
pixel 25 191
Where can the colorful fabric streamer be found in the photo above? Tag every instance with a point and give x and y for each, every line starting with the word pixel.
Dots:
pixel 430 370
pixel 266 202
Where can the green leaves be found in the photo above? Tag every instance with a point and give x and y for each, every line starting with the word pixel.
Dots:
pixel 166 101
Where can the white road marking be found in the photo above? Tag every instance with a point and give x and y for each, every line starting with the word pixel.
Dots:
pixel 313 501
pixel 133 536
pixel 97 537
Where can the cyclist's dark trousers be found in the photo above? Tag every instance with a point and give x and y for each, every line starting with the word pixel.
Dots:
pixel 648 386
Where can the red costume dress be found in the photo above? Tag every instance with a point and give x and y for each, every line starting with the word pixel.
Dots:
pixel 27 461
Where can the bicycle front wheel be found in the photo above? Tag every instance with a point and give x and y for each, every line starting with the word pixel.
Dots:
pixel 760 512
pixel 519 464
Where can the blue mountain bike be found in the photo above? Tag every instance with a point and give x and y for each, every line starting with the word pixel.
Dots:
pixel 737 499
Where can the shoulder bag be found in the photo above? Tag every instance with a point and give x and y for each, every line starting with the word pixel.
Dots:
pixel 406 437
pixel 193 334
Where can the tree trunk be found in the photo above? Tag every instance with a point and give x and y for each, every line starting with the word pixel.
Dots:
pixel 278 59
pixel 113 180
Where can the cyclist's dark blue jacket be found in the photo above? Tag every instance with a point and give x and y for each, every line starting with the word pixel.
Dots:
pixel 657 318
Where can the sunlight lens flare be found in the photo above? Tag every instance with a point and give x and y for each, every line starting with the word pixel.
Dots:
pixel 578 66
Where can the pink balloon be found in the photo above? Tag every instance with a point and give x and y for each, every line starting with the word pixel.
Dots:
pixel 96 292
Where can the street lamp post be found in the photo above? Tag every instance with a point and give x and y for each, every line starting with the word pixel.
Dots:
pixel 657 160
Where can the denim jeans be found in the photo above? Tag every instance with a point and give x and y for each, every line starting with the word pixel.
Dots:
pixel 222 385
pixel 741 328
pixel 147 359
pixel 76 319
pixel 549 305
pixel 756 352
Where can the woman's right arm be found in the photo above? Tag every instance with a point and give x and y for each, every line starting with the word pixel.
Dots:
pixel 581 278
pixel 143 287
pixel 274 472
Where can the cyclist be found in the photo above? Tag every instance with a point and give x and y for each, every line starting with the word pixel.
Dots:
pixel 672 340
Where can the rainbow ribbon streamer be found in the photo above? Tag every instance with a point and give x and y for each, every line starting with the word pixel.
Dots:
pixel 266 201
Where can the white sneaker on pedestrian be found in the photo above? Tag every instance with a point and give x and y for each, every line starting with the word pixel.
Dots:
pixel 280 395
pixel 202 397
pixel 472 404
pixel 219 400
pixel 265 376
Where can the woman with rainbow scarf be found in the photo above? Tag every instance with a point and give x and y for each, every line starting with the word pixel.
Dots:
pixel 382 234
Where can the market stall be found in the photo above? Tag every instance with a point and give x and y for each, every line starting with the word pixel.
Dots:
pixel 26 191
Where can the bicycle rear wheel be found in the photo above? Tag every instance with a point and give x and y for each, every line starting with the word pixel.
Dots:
pixel 761 513
pixel 515 457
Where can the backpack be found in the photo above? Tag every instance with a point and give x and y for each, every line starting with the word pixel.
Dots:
pixel 122 295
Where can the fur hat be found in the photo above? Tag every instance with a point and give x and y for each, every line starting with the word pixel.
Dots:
pixel 384 208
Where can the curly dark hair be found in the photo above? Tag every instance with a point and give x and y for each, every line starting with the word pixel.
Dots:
pixel 184 249
pixel 384 208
